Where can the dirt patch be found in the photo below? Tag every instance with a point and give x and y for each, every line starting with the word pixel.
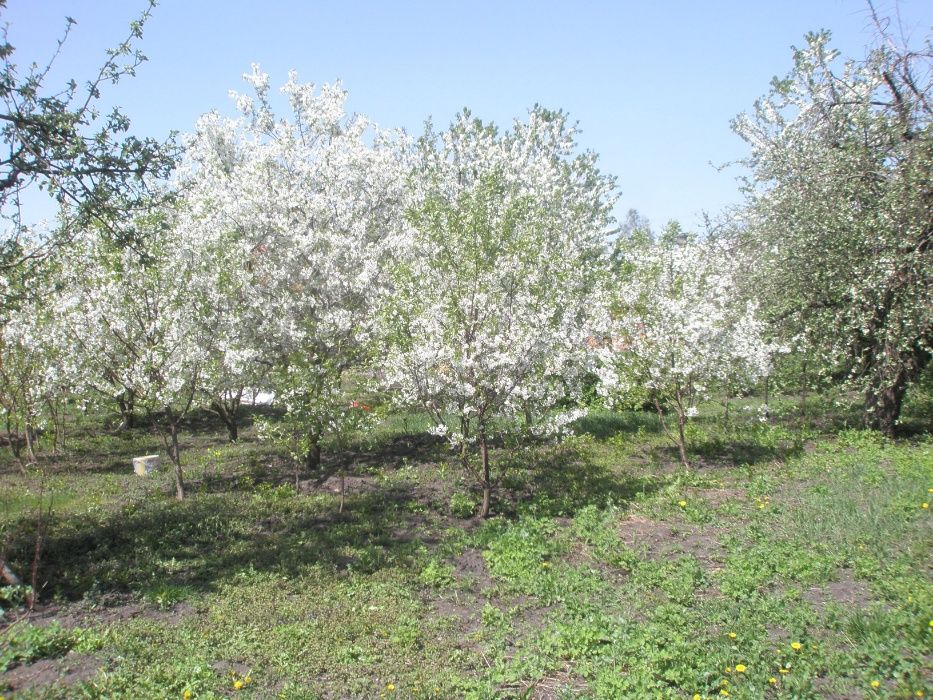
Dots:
pixel 660 540
pixel 846 590
pixel 471 567
pixel 332 484
pixel 112 609
pixel 231 669
pixel 65 671
pixel 717 497
pixel 639 532
pixel 557 685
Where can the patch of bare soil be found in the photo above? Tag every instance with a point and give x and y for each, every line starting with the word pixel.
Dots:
pixel 471 567
pixel 551 687
pixel 465 608
pixel 65 671
pixel 332 484
pixel 846 590
pixel 717 497
pixel 113 609
pixel 661 540
pixel 231 668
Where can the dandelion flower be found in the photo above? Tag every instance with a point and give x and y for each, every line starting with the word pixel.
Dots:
pixel 772 680
pixel 186 695
pixel 237 685
pixel 390 687
pixel 724 693
pixel 796 646
pixel 696 696
pixel 925 505
pixel 875 684
pixel 783 670
pixel 740 668
pixel 682 504
pixel 732 635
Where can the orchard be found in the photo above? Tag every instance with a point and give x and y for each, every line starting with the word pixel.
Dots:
pixel 434 424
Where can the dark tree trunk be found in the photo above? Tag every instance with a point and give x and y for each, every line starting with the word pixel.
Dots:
pixel 883 404
pixel 487 482
pixel 127 417
pixel 228 414
pixel 313 455
pixel 175 455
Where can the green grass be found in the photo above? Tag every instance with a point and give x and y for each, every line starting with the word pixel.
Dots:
pixel 793 561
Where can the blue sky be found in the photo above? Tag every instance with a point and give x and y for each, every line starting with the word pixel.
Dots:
pixel 652 84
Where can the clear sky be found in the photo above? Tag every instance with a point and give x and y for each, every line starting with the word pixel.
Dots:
pixel 653 85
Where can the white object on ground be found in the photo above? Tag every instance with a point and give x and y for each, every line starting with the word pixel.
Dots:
pixel 143 466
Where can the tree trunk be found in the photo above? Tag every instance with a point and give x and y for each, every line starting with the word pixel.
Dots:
pixel 681 422
pixel 228 416
pixel 682 439
pixel 30 443
pixel 487 482
pixel 883 405
pixel 313 455
pixel 127 417
pixel 803 392
pixel 768 397
pixel 175 455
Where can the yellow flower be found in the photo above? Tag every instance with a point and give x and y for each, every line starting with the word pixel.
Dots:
pixel 728 669
pixel 724 693
pixel 924 505
pixel 919 693
pixel 390 687
pixel 929 490
pixel 545 564
pixel 682 504
pixel 237 685
pixel 796 646
pixel 248 680
pixel 740 668
pixel 783 670
pixel 696 696
pixel 772 680
pixel 875 684
pixel 186 695
pixel 732 635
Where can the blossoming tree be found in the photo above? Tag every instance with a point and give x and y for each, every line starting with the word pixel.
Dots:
pixel 839 214
pixel 300 210
pixel 675 327
pixel 489 317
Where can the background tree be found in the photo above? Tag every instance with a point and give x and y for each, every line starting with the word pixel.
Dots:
pixel 489 319
pixel 840 214
pixel 57 140
pixel 676 328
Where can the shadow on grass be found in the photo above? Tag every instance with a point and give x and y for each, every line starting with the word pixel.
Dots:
pixel 204 541
pixel 602 424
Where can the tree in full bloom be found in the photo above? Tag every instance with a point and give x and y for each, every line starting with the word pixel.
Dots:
pixel 135 319
pixel 675 328
pixel 839 214
pixel 300 209
pixel 489 319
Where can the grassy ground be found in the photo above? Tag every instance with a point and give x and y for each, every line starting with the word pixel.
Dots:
pixel 789 562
